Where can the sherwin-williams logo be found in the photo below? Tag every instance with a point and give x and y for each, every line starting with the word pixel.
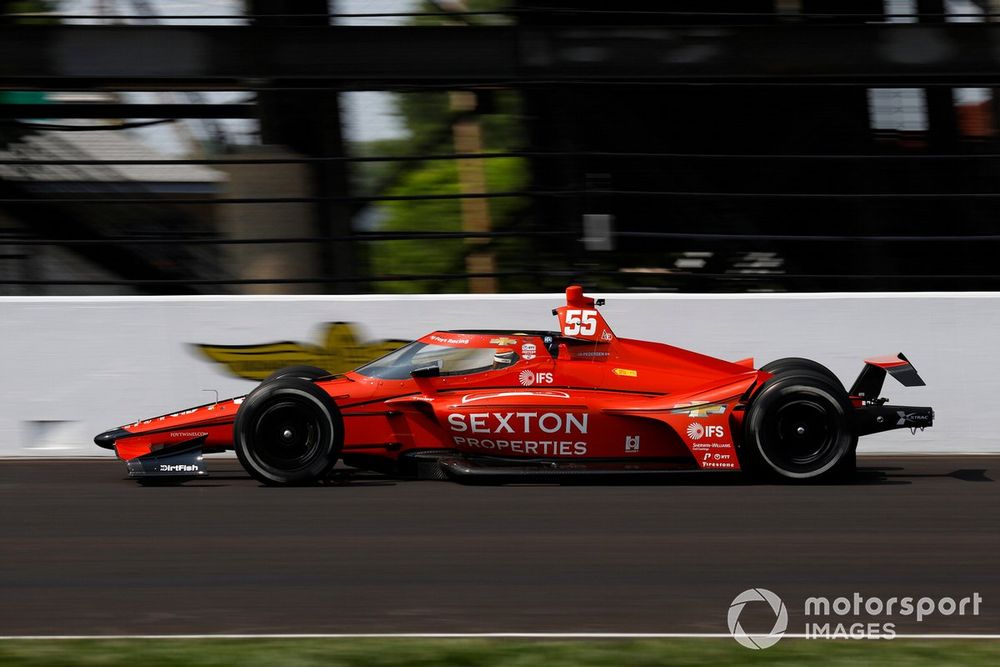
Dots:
pixel 340 351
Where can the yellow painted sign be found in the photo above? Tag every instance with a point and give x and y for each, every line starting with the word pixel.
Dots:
pixel 340 351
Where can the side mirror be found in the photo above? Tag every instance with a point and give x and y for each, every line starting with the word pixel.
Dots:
pixel 426 372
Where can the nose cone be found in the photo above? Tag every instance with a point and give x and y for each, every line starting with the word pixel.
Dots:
pixel 108 438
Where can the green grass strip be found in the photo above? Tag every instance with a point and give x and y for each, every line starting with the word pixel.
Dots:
pixel 489 652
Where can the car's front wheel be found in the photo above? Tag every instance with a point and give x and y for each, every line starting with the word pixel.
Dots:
pixel 304 372
pixel 799 427
pixel 288 431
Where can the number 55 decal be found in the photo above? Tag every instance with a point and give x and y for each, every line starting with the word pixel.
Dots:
pixel 580 323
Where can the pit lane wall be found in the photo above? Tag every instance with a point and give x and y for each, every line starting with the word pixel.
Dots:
pixel 73 367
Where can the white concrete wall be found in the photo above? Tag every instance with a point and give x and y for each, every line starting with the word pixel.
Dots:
pixel 72 367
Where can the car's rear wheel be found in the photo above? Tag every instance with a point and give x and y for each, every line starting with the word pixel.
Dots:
pixel 288 431
pixel 789 365
pixel 798 427
pixel 304 372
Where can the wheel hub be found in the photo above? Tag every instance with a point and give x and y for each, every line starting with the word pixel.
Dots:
pixel 802 432
pixel 288 434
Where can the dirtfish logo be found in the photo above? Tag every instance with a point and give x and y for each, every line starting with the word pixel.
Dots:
pixel 340 351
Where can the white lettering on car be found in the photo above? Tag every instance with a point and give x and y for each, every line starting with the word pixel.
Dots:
pixel 478 422
pixel 502 424
pixel 580 322
pixel 528 447
pixel 527 422
pixel 457 423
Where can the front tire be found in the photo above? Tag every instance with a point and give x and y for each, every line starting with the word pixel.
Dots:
pixel 304 372
pixel 288 431
pixel 798 428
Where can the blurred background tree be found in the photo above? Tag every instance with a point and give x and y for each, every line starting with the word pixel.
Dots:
pixel 430 120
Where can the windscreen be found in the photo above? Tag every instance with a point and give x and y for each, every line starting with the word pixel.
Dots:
pixel 448 360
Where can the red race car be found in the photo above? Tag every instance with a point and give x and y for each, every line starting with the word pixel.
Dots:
pixel 532 406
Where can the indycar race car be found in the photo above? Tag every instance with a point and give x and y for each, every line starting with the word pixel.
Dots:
pixel 532 405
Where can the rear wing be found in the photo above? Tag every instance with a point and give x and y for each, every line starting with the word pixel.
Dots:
pixel 869 383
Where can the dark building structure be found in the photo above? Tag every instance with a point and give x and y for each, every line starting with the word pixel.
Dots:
pixel 692 145
pixel 769 181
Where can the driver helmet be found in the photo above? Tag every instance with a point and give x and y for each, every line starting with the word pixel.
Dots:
pixel 503 357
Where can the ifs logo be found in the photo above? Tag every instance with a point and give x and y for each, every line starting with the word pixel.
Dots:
pixel 528 378
pixel 696 431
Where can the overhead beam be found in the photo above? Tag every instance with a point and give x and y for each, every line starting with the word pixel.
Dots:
pixel 254 57
pixel 246 57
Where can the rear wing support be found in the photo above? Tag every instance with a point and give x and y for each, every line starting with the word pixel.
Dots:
pixel 874 415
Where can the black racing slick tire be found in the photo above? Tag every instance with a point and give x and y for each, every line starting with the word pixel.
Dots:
pixel 304 372
pixel 788 365
pixel 288 431
pixel 799 427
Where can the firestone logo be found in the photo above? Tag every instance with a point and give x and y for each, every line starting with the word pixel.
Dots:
pixel 757 641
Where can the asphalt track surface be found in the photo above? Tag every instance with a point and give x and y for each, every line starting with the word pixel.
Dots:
pixel 85 551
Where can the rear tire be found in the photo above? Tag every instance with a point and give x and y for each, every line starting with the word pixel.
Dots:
pixel 288 431
pixel 798 428
pixel 788 365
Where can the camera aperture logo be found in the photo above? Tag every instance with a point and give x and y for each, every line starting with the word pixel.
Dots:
pixel 757 641
pixel 846 617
